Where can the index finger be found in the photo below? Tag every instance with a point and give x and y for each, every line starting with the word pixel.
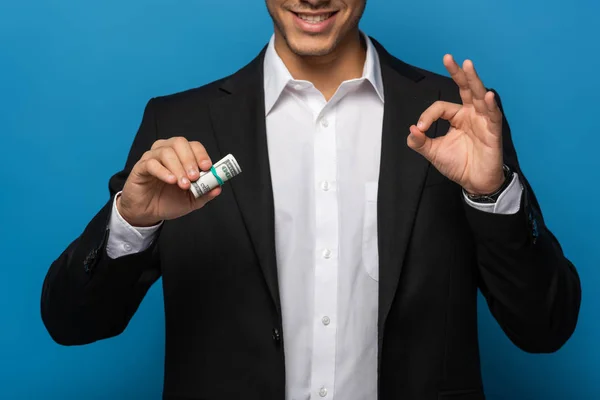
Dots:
pixel 460 78
pixel 439 109
pixel 202 157
pixel 186 156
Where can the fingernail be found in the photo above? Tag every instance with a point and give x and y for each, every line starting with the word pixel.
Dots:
pixel 171 177
pixel 185 181
pixel 205 164
pixel 192 172
pixel 420 125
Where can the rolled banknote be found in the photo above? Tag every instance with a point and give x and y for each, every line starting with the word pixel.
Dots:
pixel 220 172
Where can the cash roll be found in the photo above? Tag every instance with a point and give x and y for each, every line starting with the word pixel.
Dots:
pixel 221 172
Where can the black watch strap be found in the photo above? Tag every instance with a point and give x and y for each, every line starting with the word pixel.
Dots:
pixel 493 197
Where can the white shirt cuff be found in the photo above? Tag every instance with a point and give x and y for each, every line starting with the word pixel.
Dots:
pixel 509 202
pixel 125 239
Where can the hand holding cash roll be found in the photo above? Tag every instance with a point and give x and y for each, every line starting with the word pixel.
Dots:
pixel 172 179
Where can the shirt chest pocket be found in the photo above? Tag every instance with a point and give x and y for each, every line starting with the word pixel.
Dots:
pixel 370 253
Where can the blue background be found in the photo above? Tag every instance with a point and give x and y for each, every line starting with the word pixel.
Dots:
pixel 75 76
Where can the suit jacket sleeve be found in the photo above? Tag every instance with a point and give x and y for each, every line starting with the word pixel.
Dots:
pixel 531 288
pixel 86 295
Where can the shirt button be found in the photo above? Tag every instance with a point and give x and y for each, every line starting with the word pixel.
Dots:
pixel 325 320
pixel 325 186
pixel 324 123
pixel 326 253
pixel 127 247
pixel 298 86
pixel 323 392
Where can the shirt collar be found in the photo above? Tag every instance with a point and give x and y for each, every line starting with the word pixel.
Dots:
pixel 277 76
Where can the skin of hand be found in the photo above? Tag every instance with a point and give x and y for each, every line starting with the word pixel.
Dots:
pixel 157 188
pixel 470 154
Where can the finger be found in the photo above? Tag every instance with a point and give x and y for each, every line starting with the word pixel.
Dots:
pixel 439 109
pixel 202 200
pixel 494 112
pixel 154 168
pixel 476 86
pixel 419 142
pixel 158 143
pixel 459 77
pixel 169 158
pixel 201 155
pixel 186 156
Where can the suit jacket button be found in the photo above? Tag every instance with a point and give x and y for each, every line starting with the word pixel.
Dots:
pixel 276 335
pixel 534 227
pixel 89 260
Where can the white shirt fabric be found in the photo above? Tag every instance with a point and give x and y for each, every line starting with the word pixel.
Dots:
pixel 324 158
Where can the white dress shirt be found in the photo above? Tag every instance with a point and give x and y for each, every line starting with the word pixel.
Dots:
pixel 324 158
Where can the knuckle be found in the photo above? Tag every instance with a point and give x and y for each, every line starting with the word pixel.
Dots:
pixel 168 153
pixel 180 141
pixel 151 163
pixel 147 155
pixel 138 165
pixel 158 143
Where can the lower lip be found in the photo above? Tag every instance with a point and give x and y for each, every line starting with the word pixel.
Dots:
pixel 318 27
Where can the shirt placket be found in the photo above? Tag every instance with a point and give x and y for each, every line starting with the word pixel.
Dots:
pixel 325 319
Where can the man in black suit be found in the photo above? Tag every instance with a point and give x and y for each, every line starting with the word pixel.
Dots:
pixel 344 261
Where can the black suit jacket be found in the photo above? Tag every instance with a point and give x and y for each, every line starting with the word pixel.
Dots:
pixel 223 316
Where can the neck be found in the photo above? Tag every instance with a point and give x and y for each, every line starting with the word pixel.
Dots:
pixel 329 71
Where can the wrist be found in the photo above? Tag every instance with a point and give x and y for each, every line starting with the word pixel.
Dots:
pixel 492 197
pixel 130 217
pixel 491 187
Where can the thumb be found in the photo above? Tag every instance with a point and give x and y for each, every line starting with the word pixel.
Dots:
pixel 420 143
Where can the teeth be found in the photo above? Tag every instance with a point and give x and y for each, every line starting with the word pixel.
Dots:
pixel 314 19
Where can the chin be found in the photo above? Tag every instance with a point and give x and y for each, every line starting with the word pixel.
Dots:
pixel 311 46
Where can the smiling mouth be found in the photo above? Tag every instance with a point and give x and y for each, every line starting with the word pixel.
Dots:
pixel 315 18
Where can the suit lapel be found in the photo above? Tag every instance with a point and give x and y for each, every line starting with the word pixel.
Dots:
pixel 402 173
pixel 239 122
